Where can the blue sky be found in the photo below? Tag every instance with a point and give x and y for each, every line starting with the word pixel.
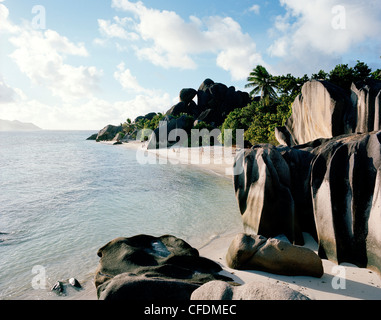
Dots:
pixel 87 63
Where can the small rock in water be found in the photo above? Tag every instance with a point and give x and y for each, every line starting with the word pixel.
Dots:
pixel 58 288
pixel 75 283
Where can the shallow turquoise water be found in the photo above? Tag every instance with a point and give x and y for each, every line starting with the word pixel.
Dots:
pixel 62 198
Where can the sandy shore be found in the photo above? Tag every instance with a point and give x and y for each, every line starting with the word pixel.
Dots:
pixel 351 282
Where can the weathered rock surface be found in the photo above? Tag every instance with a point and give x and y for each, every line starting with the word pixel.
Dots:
pixel 345 186
pixel 366 99
pixel 327 187
pixel 263 191
pixel 93 137
pixel 214 102
pixel 255 252
pixel 148 116
pixel 324 110
pixel 170 127
pixel 219 290
pixel 108 133
pixel 145 267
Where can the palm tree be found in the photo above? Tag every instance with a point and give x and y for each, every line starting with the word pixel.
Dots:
pixel 263 82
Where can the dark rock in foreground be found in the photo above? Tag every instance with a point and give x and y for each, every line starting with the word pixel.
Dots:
pixel 156 268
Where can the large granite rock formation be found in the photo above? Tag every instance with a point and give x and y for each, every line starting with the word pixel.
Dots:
pixel 156 268
pixel 366 99
pixel 263 191
pixel 345 186
pixel 324 110
pixel 255 252
pixel 168 133
pixel 108 132
pixel 219 290
pixel 216 99
pixel 327 187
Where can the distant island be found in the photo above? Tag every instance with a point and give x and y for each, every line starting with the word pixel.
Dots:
pixel 7 125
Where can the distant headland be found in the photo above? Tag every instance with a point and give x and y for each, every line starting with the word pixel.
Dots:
pixel 15 125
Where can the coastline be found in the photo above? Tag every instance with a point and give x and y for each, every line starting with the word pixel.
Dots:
pixel 354 283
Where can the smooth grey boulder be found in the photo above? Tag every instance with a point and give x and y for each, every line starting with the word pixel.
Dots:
pixel 219 290
pixel 366 99
pixel 255 252
pixel 322 110
pixel 262 184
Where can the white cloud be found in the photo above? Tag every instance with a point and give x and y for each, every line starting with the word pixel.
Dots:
pixel 41 56
pixel 127 80
pixel 255 8
pixel 117 29
pixel 5 24
pixel 7 94
pixel 170 41
pixel 322 30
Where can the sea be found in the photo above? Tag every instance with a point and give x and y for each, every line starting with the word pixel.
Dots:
pixel 63 197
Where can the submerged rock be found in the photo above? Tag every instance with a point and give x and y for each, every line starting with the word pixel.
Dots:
pixel 75 283
pixel 58 288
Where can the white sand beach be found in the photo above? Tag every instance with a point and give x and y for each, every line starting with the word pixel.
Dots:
pixel 347 282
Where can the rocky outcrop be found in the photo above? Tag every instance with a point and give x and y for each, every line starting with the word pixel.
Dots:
pixel 108 133
pixel 327 187
pixel 345 186
pixel 156 268
pixel 366 99
pixel 219 290
pixel 148 116
pixel 214 102
pixel 255 252
pixel 263 192
pixel 169 125
pixel 324 110
pixel 93 137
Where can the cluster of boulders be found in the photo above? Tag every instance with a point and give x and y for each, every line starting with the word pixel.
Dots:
pixel 145 267
pixel 214 103
pixel 325 178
